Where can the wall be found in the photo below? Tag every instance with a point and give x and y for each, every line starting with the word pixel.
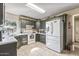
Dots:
pixel 71 13
pixel 69 29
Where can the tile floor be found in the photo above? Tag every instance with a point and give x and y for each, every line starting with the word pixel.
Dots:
pixel 39 49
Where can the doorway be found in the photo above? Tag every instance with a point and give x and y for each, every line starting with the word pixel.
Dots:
pixel 75 34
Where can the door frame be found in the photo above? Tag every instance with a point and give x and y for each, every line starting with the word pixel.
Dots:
pixel 73 31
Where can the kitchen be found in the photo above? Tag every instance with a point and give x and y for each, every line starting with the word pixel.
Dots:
pixel 21 30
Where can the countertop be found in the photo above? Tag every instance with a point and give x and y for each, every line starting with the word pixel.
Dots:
pixel 18 34
pixel 41 33
pixel 8 40
pixel 11 39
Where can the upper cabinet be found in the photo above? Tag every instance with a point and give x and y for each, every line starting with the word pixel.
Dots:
pixel 42 25
pixel 24 23
pixel 38 25
pixel 27 25
pixel 1 13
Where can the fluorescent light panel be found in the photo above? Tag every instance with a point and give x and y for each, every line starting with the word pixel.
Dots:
pixel 33 6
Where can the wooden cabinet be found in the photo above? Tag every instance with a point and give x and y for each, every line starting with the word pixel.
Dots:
pixel 38 25
pixel 19 41
pixel 25 23
pixel 9 49
pixel 41 38
pixel 37 37
pixel 42 25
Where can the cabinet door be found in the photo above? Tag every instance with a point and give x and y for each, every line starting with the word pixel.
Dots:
pixel 42 39
pixel 53 43
pixel 19 41
pixel 1 13
pixel 8 49
pixel 56 27
pixel 42 24
pixel 37 25
pixel 48 28
pixel 37 37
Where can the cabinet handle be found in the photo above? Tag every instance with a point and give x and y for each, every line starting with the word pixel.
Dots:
pixel 51 28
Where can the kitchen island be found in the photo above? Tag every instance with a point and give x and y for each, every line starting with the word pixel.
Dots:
pixel 25 38
pixel 8 46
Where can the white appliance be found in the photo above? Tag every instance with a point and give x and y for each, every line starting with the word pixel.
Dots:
pixel 31 38
pixel 54 34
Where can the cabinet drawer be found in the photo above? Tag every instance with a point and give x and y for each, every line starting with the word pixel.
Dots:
pixel 30 42
pixel 53 43
pixel 53 46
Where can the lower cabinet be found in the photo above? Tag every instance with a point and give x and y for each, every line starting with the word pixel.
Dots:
pixel 22 40
pixel 37 37
pixel 9 49
pixel 19 41
pixel 41 38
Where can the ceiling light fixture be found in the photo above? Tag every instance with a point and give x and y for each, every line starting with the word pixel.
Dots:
pixel 35 7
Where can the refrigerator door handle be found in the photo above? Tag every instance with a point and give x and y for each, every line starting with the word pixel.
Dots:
pixel 47 29
pixel 51 28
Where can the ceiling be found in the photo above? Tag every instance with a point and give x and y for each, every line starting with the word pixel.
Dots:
pixel 50 8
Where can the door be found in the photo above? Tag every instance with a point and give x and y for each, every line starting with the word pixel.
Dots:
pixel 42 38
pixel 48 27
pixel 53 27
pixel 56 27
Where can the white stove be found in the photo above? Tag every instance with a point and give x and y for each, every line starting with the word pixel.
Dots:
pixel 31 38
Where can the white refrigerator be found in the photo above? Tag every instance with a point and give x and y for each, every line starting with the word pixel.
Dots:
pixel 54 34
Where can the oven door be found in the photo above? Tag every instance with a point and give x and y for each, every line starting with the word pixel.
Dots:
pixel 32 36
